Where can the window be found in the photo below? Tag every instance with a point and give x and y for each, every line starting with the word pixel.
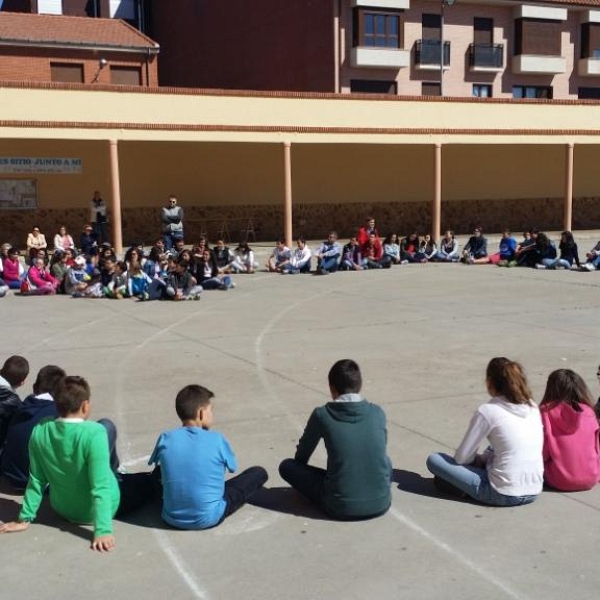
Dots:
pixel 126 75
pixel 430 89
pixel 432 27
pixel 589 93
pixel 532 91
pixel 482 90
pixel 538 37
pixel 378 29
pixel 49 7
pixel 483 31
pixel 373 86
pixel 66 72
pixel 122 9
pixel 590 40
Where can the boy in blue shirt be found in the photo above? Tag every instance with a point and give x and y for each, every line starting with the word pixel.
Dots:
pixel 193 461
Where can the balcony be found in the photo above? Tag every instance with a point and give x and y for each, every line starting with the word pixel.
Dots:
pixel 380 58
pixel 487 58
pixel 589 67
pixel 427 55
pixel 538 64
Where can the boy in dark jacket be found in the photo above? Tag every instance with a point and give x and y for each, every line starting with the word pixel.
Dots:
pixel 356 484
pixel 38 406
pixel 12 375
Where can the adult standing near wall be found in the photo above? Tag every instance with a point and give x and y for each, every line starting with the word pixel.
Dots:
pixel 98 217
pixel 172 222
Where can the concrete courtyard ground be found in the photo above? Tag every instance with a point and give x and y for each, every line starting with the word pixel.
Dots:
pixel 422 335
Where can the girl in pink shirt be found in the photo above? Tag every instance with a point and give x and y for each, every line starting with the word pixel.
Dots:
pixel 571 448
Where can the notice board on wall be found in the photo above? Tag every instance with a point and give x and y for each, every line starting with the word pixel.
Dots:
pixel 18 194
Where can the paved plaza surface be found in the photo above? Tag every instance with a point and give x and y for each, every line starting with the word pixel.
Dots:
pixel 422 334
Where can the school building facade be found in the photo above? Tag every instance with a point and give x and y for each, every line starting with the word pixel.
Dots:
pixel 294 163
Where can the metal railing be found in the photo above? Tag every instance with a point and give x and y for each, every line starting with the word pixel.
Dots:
pixel 427 52
pixel 490 56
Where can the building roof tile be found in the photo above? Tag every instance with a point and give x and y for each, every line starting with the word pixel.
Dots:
pixel 59 30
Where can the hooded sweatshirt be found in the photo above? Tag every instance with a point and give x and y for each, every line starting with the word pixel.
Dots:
pixel 15 459
pixel 571 449
pixel 357 483
pixel 514 432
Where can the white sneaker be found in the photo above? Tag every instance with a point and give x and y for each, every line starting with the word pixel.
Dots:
pixel 540 266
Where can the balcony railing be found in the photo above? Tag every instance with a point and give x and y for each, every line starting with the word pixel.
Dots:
pixel 486 56
pixel 427 53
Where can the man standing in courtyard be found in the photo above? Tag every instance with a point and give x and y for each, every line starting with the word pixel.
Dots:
pixel 171 217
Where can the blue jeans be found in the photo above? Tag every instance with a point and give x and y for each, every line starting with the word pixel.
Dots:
pixel 553 263
pixel 473 481
pixel 329 263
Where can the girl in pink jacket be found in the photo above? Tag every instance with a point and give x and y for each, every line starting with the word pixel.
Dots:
pixel 571 448
pixel 41 279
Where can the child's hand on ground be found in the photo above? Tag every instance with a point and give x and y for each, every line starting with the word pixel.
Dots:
pixel 104 543
pixel 13 527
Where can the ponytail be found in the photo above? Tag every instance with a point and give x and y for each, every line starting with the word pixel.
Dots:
pixel 507 378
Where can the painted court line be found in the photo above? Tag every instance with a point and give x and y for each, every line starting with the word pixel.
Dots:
pixel 179 565
pixel 457 555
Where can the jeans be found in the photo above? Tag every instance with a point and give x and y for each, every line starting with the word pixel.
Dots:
pixel 553 263
pixel 288 268
pixel 328 263
pixel 170 239
pixel 100 232
pixel 445 257
pixel 473 481
pixel 238 489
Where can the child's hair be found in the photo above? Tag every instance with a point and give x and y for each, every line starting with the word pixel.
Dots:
pixel 508 379
pixel 567 238
pixel 122 265
pixel 13 251
pixel 47 380
pixel 344 377
pixel 564 385
pixel 281 240
pixel 302 240
pixel 190 399
pixel 135 267
pixel 15 370
pixel 71 392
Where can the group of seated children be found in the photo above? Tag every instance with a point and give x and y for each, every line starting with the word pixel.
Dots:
pixel 181 273
pixel 178 275
pixel 48 441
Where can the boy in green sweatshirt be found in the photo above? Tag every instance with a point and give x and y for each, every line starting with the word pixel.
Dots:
pixel 356 484
pixel 72 454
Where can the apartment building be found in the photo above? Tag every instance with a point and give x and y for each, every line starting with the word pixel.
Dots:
pixel 490 48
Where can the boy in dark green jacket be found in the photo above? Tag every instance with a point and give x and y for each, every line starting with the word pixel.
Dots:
pixel 356 484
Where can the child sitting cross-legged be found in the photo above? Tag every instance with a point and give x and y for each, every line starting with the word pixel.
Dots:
pixel 193 460
pixel 72 455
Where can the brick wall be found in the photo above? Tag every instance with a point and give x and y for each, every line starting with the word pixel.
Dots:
pixel 237 44
pixel 31 64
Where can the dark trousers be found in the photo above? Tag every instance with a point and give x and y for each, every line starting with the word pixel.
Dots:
pixel 239 489
pixel 309 481
pixel 305 479
pixel 137 489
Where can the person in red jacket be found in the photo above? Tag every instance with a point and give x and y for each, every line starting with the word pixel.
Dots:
pixel 571 448
pixel 365 231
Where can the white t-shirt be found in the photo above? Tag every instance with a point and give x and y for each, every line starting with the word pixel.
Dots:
pixel 515 466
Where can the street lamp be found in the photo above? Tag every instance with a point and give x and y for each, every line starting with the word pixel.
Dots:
pixel 444 4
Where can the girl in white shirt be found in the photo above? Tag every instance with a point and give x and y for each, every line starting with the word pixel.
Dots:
pixel 510 471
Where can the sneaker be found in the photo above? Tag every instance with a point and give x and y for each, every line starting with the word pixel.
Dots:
pixel 503 263
pixel 540 266
pixel 76 295
pixel 512 263
pixel 404 262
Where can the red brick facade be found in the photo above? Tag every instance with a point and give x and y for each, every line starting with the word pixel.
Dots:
pixel 33 64
pixel 237 44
